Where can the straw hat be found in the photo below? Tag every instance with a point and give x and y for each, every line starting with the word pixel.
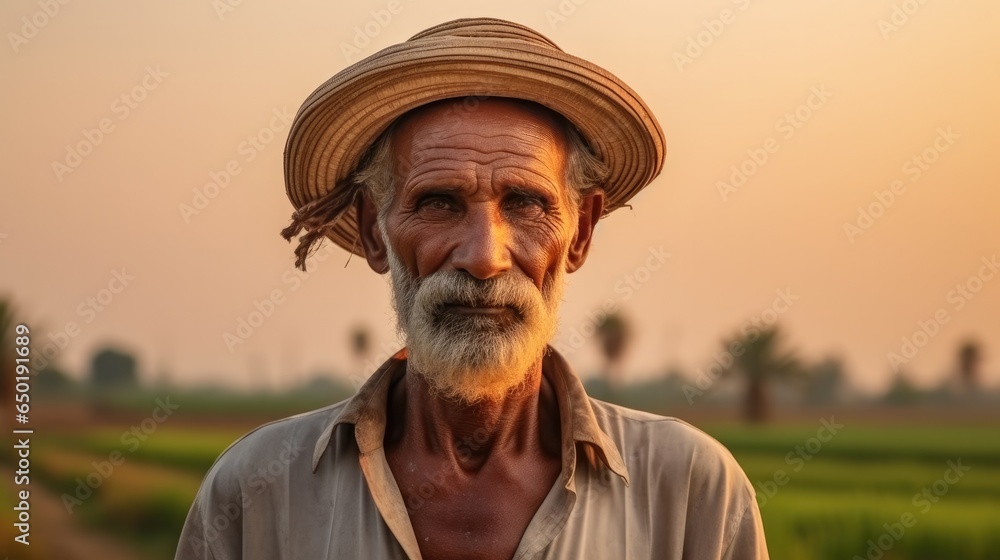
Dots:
pixel 466 57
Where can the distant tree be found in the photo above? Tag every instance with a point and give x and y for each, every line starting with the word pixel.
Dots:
pixel 360 342
pixel 903 391
pixel 759 360
pixel 7 364
pixel 113 369
pixel 969 357
pixel 6 322
pixel 326 384
pixel 614 333
pixel 51 380
pixel 825 382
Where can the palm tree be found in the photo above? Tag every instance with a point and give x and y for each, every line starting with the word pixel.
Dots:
pixel 759 357
pixel 360 342
pixel 361 347
pixel 614 335
pixel 969 356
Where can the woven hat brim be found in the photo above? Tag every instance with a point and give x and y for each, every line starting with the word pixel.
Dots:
pixel 341 119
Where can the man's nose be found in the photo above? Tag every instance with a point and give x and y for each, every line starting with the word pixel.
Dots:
pixel 483 249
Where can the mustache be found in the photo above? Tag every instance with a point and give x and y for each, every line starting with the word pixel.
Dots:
pixel 455 287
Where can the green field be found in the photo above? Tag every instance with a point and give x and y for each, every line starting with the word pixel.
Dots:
pixel 836 499
pixel 859 494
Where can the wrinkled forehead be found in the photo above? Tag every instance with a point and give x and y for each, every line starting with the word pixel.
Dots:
pixel 499 124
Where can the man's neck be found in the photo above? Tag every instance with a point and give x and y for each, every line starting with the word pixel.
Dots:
pixel 525 421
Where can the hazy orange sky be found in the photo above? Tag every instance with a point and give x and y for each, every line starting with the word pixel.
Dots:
pixel 839 96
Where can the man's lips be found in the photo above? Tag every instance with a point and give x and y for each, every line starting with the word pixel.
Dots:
pixel 487 310
pixel 473 315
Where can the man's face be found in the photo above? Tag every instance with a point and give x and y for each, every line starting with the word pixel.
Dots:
pixel 478 236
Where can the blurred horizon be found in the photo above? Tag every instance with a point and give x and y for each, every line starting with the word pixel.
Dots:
pixel 826 381
pixel 836 153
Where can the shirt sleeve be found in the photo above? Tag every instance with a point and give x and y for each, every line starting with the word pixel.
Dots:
pixel 213 528
pixel 719 519
pixel 748 541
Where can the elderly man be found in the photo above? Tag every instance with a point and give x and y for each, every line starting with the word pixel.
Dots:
pixel 472 163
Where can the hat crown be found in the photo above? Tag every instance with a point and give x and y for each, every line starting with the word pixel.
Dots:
pixel 479 28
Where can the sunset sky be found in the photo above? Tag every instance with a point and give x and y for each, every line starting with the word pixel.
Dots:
pixel 118 113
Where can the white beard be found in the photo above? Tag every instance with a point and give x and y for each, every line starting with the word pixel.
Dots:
pixel 474 358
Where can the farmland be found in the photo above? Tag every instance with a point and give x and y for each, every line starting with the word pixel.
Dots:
pixel 831 488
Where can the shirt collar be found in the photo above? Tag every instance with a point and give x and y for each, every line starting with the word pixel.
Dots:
pixel 366 410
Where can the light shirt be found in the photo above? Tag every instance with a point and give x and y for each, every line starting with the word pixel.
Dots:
pixel 317 486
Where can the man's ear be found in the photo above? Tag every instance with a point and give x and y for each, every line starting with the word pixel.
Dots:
pixel 591 208
pixel 369 234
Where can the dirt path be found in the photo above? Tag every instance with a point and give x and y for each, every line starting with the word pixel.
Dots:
pixel 57 534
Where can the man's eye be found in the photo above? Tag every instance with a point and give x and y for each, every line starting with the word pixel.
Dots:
pixel 526 202
pixel 436 202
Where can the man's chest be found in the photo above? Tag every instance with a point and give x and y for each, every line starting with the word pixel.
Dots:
pixel 455 515
pixel 473 525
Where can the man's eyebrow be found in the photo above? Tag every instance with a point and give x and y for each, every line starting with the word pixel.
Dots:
pixel 528 189
pixel 533 179
pixel 432 187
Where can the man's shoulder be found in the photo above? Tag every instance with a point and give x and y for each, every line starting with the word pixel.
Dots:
pixel 668 444
pixel 251 478
pixel 285 440
pixel 670 431
pixel 696 482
